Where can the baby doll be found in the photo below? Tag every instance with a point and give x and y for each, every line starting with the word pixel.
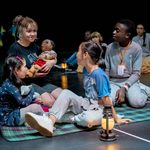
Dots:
pixel 48 55
pixel 47 47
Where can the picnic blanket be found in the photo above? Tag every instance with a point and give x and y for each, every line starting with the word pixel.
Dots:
pixel 26 133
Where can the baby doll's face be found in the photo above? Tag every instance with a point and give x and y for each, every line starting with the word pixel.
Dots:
pixel 46 45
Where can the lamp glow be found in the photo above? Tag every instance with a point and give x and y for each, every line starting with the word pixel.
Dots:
pixel 111 123
pixel 64 65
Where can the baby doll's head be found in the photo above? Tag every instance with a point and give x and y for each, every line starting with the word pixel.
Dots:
pixel 47 45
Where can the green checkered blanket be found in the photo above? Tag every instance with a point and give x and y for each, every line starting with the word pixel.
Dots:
pixel 136 115
pixel 26 133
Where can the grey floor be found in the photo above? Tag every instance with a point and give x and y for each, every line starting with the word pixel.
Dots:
pixel 134 136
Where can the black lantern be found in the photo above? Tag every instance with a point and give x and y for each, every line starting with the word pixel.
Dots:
pixel 106 133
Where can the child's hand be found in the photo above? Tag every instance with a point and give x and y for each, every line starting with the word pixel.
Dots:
pixel 39 100
pixel 121 121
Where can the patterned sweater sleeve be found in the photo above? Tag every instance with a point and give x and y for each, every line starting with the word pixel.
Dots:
pixel 13 91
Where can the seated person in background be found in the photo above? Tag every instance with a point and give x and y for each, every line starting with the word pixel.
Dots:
pixel 96 37
pixel 123 66
pixel 143 39
pixel 72 60
pixel 48 53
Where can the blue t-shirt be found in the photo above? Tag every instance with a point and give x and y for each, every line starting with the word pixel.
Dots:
pixel 96 84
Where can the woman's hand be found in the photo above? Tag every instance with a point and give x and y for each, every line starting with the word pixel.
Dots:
pixel 45 69
pixel 48 65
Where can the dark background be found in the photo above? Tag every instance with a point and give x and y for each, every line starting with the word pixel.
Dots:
pixel 65 22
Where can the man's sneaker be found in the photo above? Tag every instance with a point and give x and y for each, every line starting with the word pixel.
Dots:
pixel 41 123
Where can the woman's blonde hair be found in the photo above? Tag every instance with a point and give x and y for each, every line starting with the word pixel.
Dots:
pixel 24 23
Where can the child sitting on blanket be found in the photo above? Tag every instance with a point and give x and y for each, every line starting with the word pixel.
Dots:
pixel 14 104
pixel 88 110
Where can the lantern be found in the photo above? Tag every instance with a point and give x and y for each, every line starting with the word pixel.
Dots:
pixel 106 133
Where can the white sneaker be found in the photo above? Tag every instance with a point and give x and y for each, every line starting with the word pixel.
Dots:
pixel 67 118
pixel 26 124
pixel 89 118
pixel 41 123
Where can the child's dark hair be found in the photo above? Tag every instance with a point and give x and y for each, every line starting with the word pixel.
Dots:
pixel 11 64
pixel 94 50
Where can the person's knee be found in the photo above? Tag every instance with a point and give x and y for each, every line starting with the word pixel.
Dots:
pixel 136 102
pixel 67 93
pixel 55 93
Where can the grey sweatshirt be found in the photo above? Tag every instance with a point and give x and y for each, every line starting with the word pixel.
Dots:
pixel 132 61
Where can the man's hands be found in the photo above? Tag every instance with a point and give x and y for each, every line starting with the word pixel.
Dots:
pixel 120 96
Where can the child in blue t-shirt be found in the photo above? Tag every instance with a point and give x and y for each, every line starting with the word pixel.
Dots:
pixel 88 110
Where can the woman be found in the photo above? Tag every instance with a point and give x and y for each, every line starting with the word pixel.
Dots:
pixel 26 47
